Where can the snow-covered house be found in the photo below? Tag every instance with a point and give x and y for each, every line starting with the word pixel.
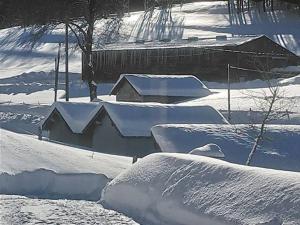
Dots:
pixel 125 129
pixel 207 59
pixel 121 128
pixel 67 122
pixel 158 88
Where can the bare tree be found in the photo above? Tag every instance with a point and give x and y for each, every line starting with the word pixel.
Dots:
pixel 83 29
pixel 273 104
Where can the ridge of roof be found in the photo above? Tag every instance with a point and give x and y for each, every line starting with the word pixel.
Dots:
pixel 163 85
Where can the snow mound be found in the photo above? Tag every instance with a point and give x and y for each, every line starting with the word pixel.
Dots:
pixel 168 188
pixel 279 149
pixel 164 85
pixel 291 80
pixel 32 167
pixel 210 150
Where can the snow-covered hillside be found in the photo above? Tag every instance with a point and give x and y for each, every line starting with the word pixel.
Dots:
pixel 32 167
pixel 201 19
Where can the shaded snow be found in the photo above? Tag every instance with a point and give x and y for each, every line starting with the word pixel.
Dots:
pixel 279 149
pixel 187 189
pixel 200 19
pixel 165 85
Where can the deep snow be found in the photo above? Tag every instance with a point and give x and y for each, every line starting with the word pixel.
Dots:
pixel 168 188
pixel 280 148
pixel 25 99
pixel 40 168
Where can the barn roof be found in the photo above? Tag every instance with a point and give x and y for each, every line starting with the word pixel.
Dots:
pixel 207 42
pixel 164 85
pixel 76 115
pixel 136 119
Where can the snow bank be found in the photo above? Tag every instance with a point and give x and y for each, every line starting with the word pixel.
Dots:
pixel 48 184
pixel 279 150
pixel 164 85
pixel 184 189
pixel 209 150
pixel 32 167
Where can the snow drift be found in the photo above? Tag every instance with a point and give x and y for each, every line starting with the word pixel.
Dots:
pixel 172 188
pixel 39 168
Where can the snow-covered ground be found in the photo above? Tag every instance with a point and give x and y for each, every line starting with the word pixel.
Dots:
pixel 172 188
pixel 39 168
pixel 16 210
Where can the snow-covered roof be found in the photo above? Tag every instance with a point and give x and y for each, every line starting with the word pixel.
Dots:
pixel 136 119
pixel 164 85
pixel 184 43
pixel 133 119
pixel 76 115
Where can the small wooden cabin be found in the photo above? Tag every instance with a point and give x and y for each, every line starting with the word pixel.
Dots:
pixel 67 123
pixel 122 128
pixel 207 59
pixel 158 88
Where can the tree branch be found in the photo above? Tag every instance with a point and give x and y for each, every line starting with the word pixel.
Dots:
pixel 81 46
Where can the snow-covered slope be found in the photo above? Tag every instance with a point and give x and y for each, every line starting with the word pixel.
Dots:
pixel 201 19
pixel 30 166
pixel 185 189
pixel 280 148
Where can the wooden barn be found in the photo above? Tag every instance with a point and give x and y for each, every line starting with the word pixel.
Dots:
pixel 158 88
pixel 122 128
pixel 206 58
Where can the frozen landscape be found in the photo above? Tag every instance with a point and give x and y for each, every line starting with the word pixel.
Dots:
pixel 46 182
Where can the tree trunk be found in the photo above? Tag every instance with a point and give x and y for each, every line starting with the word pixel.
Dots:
pixel 262 127
pixel 89 47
